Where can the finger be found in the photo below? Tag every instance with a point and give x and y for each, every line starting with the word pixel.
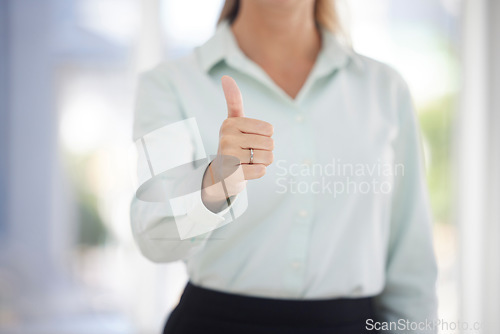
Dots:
pixel 248 141
pixel 252 126
pixel 254 171
pixel 259 156
pixel 234 100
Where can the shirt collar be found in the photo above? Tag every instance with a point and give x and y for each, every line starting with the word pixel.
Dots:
pixel 214 50
pixel 223 46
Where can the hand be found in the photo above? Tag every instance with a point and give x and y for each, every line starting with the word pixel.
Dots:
pixel 236 136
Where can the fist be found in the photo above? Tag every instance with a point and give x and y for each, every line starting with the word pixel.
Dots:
pixel 238 134
pixel 238 137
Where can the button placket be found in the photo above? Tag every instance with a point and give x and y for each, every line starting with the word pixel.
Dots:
pixel 299 237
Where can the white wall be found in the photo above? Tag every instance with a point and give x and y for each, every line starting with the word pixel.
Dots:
pixel 478 165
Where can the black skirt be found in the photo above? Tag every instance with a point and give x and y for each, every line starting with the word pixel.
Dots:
pixel 207 311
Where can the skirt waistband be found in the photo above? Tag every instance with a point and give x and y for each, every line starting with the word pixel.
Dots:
pixel 203 302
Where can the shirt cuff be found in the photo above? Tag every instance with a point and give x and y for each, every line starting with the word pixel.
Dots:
pixel 200 220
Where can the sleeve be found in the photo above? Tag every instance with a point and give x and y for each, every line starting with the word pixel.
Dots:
pixel 409 296
pixel 178 226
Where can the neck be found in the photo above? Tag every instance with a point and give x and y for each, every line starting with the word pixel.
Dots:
pixel 271 33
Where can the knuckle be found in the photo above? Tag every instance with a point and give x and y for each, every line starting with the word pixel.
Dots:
pixel 271 144
pixel 269 129
pixel 261 171
pixel 264 128
pixel 233 105
pixel 228 124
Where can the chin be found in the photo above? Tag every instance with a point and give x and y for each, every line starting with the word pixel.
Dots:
pixel 283 3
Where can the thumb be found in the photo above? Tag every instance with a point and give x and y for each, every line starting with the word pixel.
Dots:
pixel 234 100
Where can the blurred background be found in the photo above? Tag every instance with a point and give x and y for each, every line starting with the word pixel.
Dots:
pixel 68 70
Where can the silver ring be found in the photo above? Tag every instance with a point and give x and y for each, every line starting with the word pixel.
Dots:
pixel 251 156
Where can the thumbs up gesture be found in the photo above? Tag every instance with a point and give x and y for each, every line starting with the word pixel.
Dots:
pixel 245 141
pixel 239 134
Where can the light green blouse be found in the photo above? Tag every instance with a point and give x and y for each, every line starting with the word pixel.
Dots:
pixel 341 212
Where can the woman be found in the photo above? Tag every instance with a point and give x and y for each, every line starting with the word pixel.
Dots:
pixel 332 231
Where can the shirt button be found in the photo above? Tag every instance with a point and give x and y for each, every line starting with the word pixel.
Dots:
pixel 296 265
pixel 299 118
pixel 303 213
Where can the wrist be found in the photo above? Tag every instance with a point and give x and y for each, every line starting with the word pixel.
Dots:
pixel 213 193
